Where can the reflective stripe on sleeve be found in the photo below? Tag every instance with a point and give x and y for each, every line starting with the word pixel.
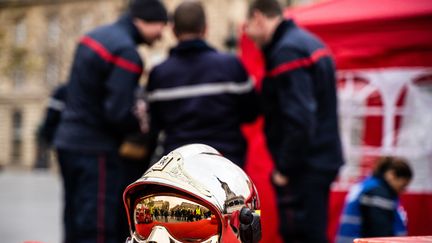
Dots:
pixel 377 201
pixel 349 219
pixel 55 104
pixel 192 91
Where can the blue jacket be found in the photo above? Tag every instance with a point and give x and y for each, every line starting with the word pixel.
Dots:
pixel 201 96
pixel 299 102
pixel 371 209
pixel 102 82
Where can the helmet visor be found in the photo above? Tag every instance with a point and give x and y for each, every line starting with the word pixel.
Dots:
pixel 184 219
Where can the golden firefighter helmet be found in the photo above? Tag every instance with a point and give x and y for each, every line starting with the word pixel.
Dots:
pixel 193 194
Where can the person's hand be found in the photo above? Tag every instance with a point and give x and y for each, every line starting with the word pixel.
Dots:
pixel 141 113
pixel 279 179
pixel 140 109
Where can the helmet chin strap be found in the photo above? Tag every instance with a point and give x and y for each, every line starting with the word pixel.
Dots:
pixel 250 226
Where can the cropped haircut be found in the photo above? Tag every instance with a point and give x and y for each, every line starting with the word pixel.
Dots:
pixel 189 18
pixel 399 165
pixel 270 8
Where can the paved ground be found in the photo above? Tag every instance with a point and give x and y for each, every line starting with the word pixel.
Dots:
pixel 30 206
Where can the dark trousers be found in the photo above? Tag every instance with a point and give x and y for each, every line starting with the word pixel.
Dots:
pixel 131 171
pixel 302 207
pixel 92 192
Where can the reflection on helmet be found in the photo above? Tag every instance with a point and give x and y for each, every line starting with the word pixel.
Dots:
pixel 177 215
pixel 193 194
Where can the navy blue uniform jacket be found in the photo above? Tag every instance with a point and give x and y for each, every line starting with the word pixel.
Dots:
pixel 201 96
pixel 299 102
pixel 101 87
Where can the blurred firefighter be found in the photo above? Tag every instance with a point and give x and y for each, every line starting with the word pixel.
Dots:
pixel 46 131
pixel 299 103
pixel 372 207
pixel 199 95
pixel 99 114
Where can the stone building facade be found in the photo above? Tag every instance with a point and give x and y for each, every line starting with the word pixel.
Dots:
pixel 37 42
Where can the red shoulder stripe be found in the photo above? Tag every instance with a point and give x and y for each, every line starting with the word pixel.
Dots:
pixel 107 56
pixel 299 63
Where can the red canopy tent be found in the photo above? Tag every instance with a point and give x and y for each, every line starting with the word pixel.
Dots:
pixel 383 52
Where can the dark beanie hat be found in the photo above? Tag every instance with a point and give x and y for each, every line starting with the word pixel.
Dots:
pixel 148 10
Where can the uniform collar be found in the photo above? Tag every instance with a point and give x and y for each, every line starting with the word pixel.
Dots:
pixel 277 35
pixel 393 193
pixel 191 46
pixel 126 21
